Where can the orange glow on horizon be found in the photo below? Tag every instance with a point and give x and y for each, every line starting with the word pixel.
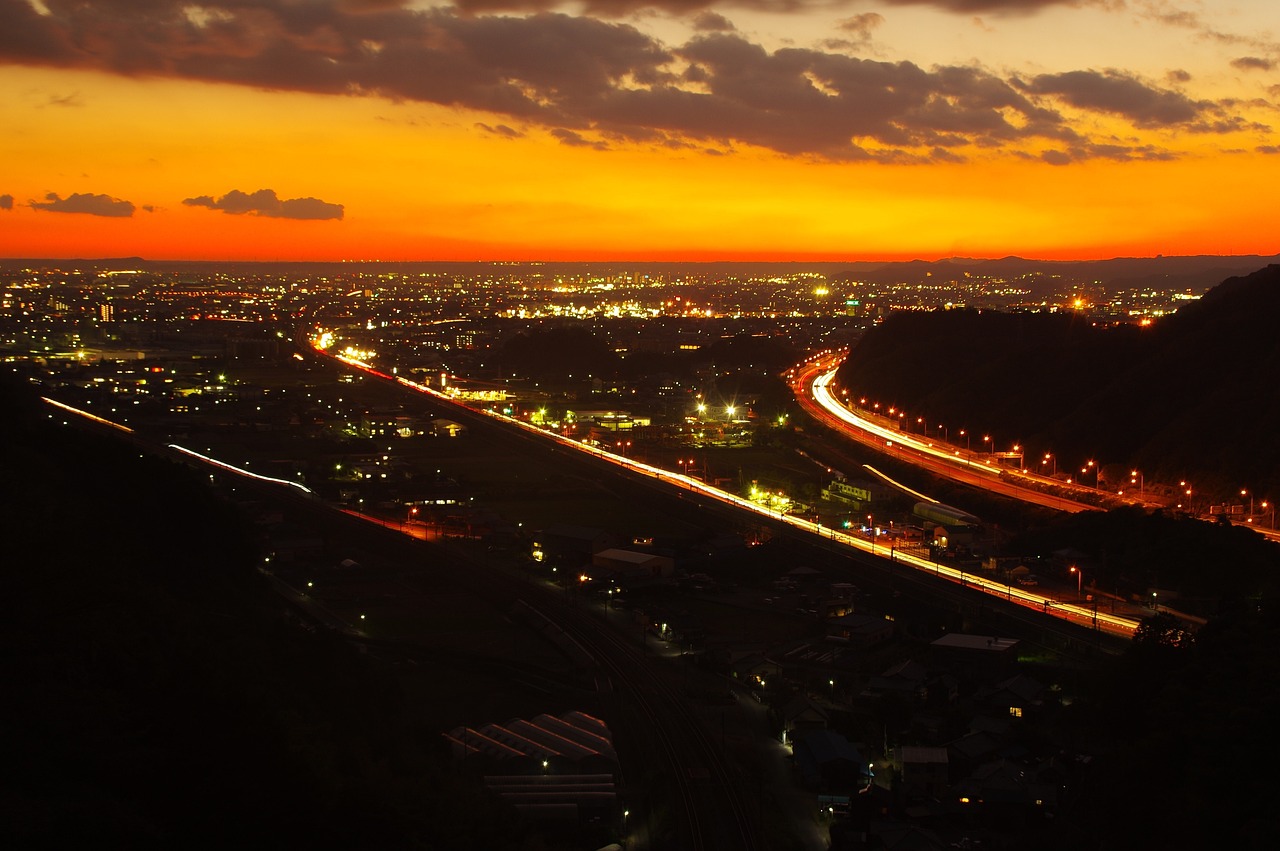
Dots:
pixel 424 183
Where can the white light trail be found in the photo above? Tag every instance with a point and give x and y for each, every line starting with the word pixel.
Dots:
pixel 899 485
pixel 823 396
pixel 238 470
pixel 1073 612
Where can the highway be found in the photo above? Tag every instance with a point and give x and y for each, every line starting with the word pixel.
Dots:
pixel 1075 611
pixel 818 376
pixel 811 384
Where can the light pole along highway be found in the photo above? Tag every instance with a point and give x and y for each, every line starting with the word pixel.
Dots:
pixel 812 387
pixel 1080 615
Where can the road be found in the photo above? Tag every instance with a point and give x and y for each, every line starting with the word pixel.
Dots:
pixel 1074 610
pixel 811 384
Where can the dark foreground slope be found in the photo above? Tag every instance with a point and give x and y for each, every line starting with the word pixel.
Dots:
pixel 156 695
pixel 1193 397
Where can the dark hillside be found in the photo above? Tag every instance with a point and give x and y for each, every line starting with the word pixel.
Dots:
pixel 157 695
pixel 1013 376
pixel 1205 402
pixel 1194 397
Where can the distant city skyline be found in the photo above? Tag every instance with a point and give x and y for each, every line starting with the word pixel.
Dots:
pixel 638 130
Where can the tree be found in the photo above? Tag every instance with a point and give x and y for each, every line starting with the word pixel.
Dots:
pixel 1162 630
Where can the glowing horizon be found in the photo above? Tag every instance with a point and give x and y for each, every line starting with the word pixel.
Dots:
pixel 629 132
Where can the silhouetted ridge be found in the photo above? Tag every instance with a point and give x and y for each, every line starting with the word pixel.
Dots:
pixel 1191 398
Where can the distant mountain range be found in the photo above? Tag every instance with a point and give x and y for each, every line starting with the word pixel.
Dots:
pixel 1196 273
pixel 1193 272
pixel 1194 397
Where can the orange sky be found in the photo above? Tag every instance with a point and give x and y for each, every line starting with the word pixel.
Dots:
pixel 718 134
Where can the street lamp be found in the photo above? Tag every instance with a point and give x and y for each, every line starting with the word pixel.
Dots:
pixel 945 434
pixel 1244 493
pixel 1048 456
pixel 1079 576
pixel 1097 470
pixel 871 529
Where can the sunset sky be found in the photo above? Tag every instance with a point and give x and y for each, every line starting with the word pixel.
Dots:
pixel 638 129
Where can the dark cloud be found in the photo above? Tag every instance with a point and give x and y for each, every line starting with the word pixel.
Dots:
pixel 1120 94
pixel 1178 75
pixel 265 203
pixel 1104 151
pixel 621 8
pixel 860 26
pixel 83 202
pixel 592 82
pixel 576 140
pixel 1011 7
pixel 71 100
pixel 1268 149
pixel 500 130
pixel 711 22
pixel 802 101
pixel 1252 63
pixel 942 155
pixel 6 202
pixel 1183 19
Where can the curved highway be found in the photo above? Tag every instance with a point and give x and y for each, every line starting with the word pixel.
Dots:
pixel 812 387
pixel 1075 612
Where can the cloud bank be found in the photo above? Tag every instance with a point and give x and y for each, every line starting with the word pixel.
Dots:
pixel 622 8
pixel 595 83
pixel 265 203
pixel 85 203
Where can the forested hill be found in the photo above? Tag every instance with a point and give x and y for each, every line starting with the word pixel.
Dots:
pixel 155 693
pixel 1192 397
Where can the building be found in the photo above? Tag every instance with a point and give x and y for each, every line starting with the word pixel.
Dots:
pixel 623 565
pixel 986 652
pixel 554 768
pixel 860 630
pixel 925 771
pixel 564 543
